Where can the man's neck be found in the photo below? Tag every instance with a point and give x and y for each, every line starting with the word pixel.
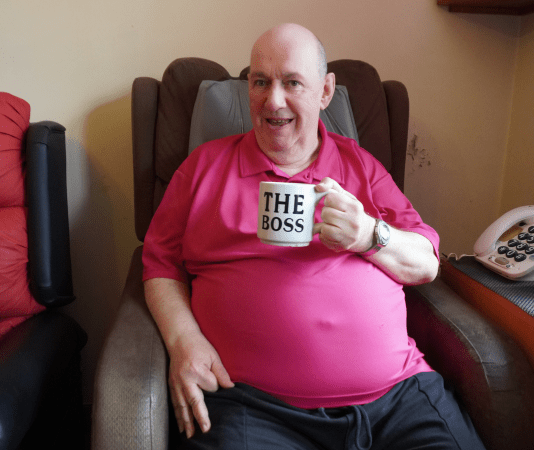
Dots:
pixel 292 166
pixel 297 167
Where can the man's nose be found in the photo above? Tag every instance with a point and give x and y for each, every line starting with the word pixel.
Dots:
pixel 276 98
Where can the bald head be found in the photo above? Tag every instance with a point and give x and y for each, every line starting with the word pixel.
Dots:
pixel 287 36
pixel 288 87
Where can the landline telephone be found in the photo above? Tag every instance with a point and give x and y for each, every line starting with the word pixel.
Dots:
pixel 507 245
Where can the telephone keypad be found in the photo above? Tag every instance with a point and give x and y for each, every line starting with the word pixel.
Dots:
pixel 517 248
pixel 525 237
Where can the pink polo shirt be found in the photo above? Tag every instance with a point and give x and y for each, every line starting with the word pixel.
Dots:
pixel 310 326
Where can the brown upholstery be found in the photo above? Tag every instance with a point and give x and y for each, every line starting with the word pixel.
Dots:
pixel 489 371
pixel 130 410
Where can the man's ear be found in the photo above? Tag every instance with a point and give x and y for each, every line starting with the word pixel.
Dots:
pixel 328 90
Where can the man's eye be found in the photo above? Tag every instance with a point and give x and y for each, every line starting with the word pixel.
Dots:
pixel 260 83
pixel 293 83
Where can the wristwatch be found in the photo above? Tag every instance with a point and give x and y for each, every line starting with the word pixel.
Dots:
pixel 380 238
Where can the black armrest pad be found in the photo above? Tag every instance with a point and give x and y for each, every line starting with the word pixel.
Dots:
pixel 48 221
pixel 34 357
pixel 488 370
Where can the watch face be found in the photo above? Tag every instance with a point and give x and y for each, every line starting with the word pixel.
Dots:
pixel 383 233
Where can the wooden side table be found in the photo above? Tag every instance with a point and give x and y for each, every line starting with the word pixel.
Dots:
pixel 518 324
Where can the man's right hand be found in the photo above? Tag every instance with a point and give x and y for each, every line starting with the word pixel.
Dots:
pixel 195 366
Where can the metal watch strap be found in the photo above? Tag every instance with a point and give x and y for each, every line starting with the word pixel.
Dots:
pixel 376 246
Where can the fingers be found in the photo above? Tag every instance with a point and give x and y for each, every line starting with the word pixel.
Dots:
pixel 195 399
pixel 344 226
pixel 333 229
pixel 188 398
pixel 221 375
pixel 328 184
pixel 189 406
pixel 332 237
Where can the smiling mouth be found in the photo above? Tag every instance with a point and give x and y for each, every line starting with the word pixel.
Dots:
pixel 279 122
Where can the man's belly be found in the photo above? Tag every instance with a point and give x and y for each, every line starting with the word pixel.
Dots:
pixel 329 338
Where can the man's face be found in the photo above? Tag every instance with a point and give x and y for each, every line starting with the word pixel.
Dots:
pixel 286 94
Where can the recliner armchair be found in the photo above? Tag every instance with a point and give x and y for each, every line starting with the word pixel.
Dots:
pixel 40 377
pixel 131 409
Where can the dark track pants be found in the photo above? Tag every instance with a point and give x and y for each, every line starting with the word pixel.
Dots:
pixel 418 413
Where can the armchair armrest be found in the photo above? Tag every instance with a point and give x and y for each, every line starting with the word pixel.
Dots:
pixel 488 370
pixel 130 408
pixel 48 216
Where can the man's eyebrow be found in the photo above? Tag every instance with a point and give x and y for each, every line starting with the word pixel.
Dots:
pixel 285 75
pixel 291 75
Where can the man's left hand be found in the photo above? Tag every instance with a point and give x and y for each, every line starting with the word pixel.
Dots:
pixel 345 224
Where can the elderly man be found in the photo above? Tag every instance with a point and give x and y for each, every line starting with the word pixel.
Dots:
pixel 282 347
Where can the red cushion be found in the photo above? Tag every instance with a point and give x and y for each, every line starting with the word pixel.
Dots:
pixel 14 121
pixel 16 301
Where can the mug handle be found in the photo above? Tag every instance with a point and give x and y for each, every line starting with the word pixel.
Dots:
pixel 320 195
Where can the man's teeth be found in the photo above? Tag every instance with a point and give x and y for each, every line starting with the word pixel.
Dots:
pixel 278 121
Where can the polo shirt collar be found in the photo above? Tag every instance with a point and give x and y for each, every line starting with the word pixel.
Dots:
pixel 253 161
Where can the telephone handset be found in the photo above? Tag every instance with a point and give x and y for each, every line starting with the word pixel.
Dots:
pixel 507 245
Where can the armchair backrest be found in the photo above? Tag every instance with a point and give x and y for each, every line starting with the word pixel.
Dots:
pixel 162 111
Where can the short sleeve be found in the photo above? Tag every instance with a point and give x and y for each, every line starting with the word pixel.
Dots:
pixel 162 251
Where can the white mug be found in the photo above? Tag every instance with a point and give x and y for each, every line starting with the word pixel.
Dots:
pixel 286 213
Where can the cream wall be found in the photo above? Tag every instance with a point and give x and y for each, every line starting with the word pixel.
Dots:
pixel 518 187
pixel 74 62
